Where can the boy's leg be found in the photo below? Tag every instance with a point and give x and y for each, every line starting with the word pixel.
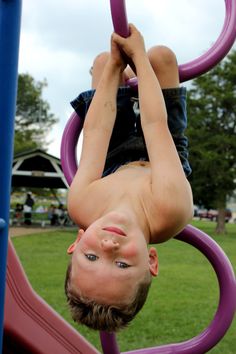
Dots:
pixel 165 66
pixel 97 69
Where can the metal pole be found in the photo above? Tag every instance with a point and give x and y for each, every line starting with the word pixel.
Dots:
pixel 10 16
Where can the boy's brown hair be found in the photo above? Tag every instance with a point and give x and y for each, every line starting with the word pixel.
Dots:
pixel 103 317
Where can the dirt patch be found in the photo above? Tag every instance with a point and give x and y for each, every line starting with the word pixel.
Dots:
pixel 22 231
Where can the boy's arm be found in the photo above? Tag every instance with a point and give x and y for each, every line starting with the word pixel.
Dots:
pixel 170 188
pixel 97 131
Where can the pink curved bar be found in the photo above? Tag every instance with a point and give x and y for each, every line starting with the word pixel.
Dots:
pixel 69 141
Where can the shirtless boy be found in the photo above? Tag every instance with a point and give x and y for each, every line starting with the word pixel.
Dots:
pixel 135 195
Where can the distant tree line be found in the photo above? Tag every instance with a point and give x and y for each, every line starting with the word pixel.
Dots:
pixel 33 117
pixel 33 120
pixel 212 136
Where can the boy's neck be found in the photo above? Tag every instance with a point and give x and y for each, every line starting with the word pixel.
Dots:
pixel 133 215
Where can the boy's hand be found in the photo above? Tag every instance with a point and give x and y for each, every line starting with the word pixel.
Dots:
pixel 116 55
pixel 133 46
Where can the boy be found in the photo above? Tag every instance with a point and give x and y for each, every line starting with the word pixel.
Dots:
pixel 142 195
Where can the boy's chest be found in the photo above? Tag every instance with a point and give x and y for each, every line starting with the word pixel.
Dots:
pixel 127 183
pixel 132 189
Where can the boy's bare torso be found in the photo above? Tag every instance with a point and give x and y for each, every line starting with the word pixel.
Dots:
pixel 131 185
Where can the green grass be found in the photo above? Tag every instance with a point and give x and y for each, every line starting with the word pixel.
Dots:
pixel 181 302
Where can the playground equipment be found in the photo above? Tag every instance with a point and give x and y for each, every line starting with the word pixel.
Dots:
pixel 9 45
pixel 30 325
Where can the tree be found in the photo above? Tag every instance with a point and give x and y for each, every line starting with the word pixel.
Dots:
pixel 33 119
pixel 212 136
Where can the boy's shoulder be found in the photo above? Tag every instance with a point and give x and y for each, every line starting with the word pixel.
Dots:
pixel 128 184
pixel 131 184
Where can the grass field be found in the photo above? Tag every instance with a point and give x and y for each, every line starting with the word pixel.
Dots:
pixel 181 302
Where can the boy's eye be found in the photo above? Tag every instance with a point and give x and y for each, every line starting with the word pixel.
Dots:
pixel 122 265
pixel 91 257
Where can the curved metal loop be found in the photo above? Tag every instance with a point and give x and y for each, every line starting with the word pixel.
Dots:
pixel 69 142
pixel 197 66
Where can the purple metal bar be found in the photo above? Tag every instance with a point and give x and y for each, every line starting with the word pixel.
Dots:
pixel 119 17
pixel 68 146
pixel 219 49
pixel 203 63
pixel 109 344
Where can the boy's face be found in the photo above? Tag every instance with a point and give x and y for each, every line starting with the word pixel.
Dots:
pixel 108 262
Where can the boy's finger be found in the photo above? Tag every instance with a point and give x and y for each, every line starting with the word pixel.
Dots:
pixel 117 38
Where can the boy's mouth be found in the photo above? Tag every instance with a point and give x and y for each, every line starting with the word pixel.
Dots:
pixel 114 230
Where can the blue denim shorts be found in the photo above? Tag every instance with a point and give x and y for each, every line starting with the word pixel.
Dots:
pixel 127 142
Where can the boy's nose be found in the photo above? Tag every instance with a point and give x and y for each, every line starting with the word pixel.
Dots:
pixel 109 244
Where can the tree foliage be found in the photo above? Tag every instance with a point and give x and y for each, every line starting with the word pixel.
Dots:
pixel 33 118
pixel 212 134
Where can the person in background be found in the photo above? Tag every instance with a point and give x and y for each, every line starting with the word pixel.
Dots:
pixel 28 206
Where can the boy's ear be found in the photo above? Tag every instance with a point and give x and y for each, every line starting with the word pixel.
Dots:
pixel 71 248
pixel 153 261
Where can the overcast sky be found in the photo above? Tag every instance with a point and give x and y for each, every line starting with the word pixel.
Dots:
pixel 60 38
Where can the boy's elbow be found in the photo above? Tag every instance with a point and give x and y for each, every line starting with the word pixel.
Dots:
pixel 179 213
pixel 186 212
pixel 190 204
pixel 191 212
